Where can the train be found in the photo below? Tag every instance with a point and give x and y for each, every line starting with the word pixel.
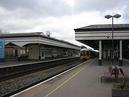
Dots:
pixel 86 54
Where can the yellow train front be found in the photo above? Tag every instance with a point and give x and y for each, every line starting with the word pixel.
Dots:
pixel 85 54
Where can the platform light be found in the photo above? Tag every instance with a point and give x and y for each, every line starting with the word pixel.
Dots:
pixel 108 16
pixel 112 17
pixel 117 16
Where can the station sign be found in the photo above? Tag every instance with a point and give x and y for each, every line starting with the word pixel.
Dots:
pixel 2 54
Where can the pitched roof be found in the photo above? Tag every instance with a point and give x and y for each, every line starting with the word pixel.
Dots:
pixel 33 34
pixel 104 26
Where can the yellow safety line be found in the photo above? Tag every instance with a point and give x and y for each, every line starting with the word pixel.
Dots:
pixel 66 81
pixel 63 83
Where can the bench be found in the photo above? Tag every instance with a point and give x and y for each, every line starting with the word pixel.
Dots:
pixel 110 78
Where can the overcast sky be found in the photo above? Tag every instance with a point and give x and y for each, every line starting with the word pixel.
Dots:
pixel 60 17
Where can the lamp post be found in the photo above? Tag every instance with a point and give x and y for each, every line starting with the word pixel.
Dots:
pixel 112 17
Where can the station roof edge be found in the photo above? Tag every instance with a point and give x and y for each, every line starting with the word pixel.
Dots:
pixel 106 27
pixel 38 34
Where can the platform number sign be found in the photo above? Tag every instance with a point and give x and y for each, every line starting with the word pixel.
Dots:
pixel 2 56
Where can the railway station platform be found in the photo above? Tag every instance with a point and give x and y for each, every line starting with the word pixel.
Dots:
pixel 82 81
pixel 14 63
pixel 34 46
pixel 112 43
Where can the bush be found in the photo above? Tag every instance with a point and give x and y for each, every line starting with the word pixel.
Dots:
pixel 124 84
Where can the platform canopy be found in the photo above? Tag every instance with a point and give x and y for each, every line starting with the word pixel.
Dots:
pixel 22 39
pixel 90 35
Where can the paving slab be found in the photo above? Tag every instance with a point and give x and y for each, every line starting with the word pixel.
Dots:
pixel 82 81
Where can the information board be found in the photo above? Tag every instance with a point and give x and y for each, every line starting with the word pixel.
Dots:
pixel 2 56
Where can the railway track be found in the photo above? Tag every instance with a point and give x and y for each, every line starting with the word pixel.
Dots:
pixel 13 72
pixel 17 74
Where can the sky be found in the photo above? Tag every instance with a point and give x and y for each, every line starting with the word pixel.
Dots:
pixel 59 17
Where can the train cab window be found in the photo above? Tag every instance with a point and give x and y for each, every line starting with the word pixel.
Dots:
pixel 83 53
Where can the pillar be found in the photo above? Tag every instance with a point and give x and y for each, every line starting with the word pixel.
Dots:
pixel 100 52
pixel 120 58
pixel 39 52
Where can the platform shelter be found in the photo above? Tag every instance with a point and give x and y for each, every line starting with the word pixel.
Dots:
pixel 37 46
pixel 111 45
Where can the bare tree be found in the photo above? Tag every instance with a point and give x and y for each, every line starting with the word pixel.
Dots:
pixel 48 33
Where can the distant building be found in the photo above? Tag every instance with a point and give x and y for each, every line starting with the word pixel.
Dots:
pixel 36 46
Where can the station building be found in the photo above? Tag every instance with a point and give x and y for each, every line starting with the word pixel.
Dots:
pixel 111 46
pixel 36 46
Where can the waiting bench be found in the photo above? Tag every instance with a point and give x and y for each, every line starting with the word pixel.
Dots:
pixel 110 78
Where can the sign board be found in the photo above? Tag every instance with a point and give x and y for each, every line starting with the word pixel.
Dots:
pixel 2 56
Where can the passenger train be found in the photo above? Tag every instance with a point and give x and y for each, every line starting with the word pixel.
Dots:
pixel 86 54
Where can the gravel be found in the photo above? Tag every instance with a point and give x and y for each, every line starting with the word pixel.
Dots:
pixel 12 85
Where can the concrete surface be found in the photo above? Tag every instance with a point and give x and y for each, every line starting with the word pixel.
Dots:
pixel 80 82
